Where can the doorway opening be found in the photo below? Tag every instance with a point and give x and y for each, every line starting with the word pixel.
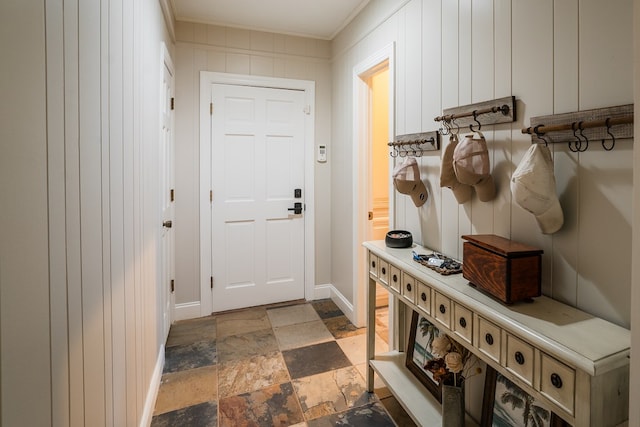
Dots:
pixel 374 92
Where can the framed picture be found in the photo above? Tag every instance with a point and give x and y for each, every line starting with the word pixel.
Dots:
pixel 419 352
pixel 507 405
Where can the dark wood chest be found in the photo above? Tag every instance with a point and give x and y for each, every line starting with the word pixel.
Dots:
pixel 507 270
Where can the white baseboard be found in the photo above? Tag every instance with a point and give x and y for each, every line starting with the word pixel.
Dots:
pixel 329 291
pixel 187 310
pixel 322 292
pixel 152 392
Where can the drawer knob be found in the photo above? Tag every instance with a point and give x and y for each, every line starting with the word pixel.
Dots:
pixel 423 297
pixel 395 277
pixel 556 380
pixel 409 287
pixel 443 309
pixel 463 322
pixel 489 339
pixel 519 358
pixel 373 264
pixel 384 270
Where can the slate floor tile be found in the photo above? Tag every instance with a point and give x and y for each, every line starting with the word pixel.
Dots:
pixel 236 347
pixel 273 406
pixel 341 327
pixel 191 331
pixel 187 388
pixel 201 415
pixel 371 415
pixel 190 356
pixel 326 308
pixel 257 372
pixel 315 359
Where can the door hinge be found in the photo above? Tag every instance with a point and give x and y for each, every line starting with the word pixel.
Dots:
pixel 307 109
pixel 211 195
pixel 173 285
pixel 173 103
pixel 211 108
pixel 172 195
pixel 211 282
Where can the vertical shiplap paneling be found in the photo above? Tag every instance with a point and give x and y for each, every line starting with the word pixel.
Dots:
pixel 114 288
pixel 90 105
pixel 533 85
pixel 57 235
pixel 107 55
pixel 465 52
pixel 502 141
pixel 605 208
pixel 564 257
pixel 412 39
pixel 465 44
pixel 415 217
pixel 482 79
pixel 400 204
pixel 129 283
pixel 430 218
pixel 450 210
pixel 73 244
pixel 606 53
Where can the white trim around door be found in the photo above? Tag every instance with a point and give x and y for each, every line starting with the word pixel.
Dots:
pixel 362 73
pixel 207 78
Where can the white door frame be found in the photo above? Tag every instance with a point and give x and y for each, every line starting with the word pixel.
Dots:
pixel 207 78
pixel 166 61
pixel 362 72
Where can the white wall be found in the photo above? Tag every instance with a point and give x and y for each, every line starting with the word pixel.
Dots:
pixel 202 47
pixel 634 393
pixel 555 57
pixel 80 328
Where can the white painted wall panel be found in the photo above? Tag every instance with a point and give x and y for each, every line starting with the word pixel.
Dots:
pixel 543 53
pixel 75 168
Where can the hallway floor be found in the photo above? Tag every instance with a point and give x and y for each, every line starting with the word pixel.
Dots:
pixel 296 365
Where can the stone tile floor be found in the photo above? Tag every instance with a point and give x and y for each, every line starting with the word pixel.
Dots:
pixel 297 365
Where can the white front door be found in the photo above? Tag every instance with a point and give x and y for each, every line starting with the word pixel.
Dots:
pixel 167 198
pixel 257 151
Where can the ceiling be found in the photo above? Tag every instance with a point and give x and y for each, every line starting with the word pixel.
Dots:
pixel 320 19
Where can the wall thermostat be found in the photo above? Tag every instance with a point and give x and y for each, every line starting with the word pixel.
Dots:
pixel 322 153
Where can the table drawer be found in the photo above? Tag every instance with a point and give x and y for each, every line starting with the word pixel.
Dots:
pixel 520 359
pixel 423 297
pixel 394 278
pixel 489 339
pixel 383 272
pixel 557 382
pixel 409 287
pixel 442 309
pixel 463 322
pixel 373 265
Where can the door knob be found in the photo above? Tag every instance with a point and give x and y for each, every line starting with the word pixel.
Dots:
pixel 167 224
pixel 297 208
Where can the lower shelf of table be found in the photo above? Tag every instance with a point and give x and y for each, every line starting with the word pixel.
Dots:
pixel 419 403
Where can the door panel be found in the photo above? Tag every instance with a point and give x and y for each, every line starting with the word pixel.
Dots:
pixel 257 163
pixel 167 176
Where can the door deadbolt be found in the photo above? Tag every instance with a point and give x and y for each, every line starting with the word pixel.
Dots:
pixel 297 208
pixel 167 224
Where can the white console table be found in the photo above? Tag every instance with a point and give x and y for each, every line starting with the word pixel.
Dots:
pixel 575 362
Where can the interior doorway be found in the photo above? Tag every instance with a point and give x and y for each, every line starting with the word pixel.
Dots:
pixel 374 88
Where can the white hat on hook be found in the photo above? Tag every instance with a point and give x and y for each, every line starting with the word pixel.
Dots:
pixel 533 186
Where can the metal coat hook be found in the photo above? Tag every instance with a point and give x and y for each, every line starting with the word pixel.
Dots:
pixel 453 122
pixel 613 138
pixel 586 140
pixel 578 141
pixel 394 152
pixel 475 118
pixel 540 136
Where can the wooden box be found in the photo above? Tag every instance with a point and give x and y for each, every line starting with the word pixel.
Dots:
pixel 507 270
